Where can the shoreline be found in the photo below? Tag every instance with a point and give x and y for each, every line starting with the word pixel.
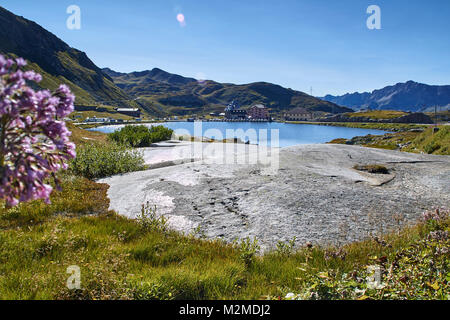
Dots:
pixel 361 125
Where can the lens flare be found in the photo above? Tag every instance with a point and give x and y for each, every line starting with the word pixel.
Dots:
pixel 181 19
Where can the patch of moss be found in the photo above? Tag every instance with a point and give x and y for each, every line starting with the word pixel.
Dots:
pixel 372 168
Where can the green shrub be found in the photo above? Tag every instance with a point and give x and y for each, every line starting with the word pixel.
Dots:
pixel 431 147
pixel 149 220
pixel 96 161
pixel 141 136
pixel 248 249
pixel 286 248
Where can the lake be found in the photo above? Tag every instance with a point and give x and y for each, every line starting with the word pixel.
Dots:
pixel 264 133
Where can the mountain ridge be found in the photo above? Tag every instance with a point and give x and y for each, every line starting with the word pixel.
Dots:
pixel 56 61
pixel 402 96
pixel 183 95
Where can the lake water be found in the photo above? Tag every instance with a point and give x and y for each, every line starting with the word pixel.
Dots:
pixel 272 134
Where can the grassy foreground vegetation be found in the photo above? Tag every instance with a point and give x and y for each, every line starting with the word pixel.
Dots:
pixel 96 161
pixel 140 136
pixel 120 258
pixel 98 157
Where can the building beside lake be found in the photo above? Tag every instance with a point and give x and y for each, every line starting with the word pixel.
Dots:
pixel 258 112
pixel 132 112
pixel 234 112
pixel 299 114
pixel 94 119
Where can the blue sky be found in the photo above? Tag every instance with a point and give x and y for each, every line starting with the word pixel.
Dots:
pixel 299 44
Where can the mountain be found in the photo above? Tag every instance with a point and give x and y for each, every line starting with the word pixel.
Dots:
pixel 57 62
pixel 163 93
pixel 155 91
pixel 409 96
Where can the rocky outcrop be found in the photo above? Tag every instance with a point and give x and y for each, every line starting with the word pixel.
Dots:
pixel 316 195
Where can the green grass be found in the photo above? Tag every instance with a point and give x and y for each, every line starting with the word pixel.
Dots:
pixel 432 142
pixel 81 137
pixel 79 196
pixel 377 114
pixel 90 114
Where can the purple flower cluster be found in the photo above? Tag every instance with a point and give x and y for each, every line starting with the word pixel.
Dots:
pixel 34 139
pixel 437 214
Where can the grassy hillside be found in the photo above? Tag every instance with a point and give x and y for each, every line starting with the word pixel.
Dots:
pixel 432 142
pixel 164 93
pixel 378 114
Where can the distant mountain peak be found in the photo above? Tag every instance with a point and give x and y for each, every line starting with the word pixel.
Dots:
pixel 158 70
pixel 403 96
pixel 156 74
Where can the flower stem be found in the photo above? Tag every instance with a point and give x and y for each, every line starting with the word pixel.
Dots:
pixel 3 123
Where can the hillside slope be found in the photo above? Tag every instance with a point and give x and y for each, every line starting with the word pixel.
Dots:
pixel 57 61
pixel 409 96
pixel 167 92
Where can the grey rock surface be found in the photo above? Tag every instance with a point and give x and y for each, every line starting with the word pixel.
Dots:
pixel 315 195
